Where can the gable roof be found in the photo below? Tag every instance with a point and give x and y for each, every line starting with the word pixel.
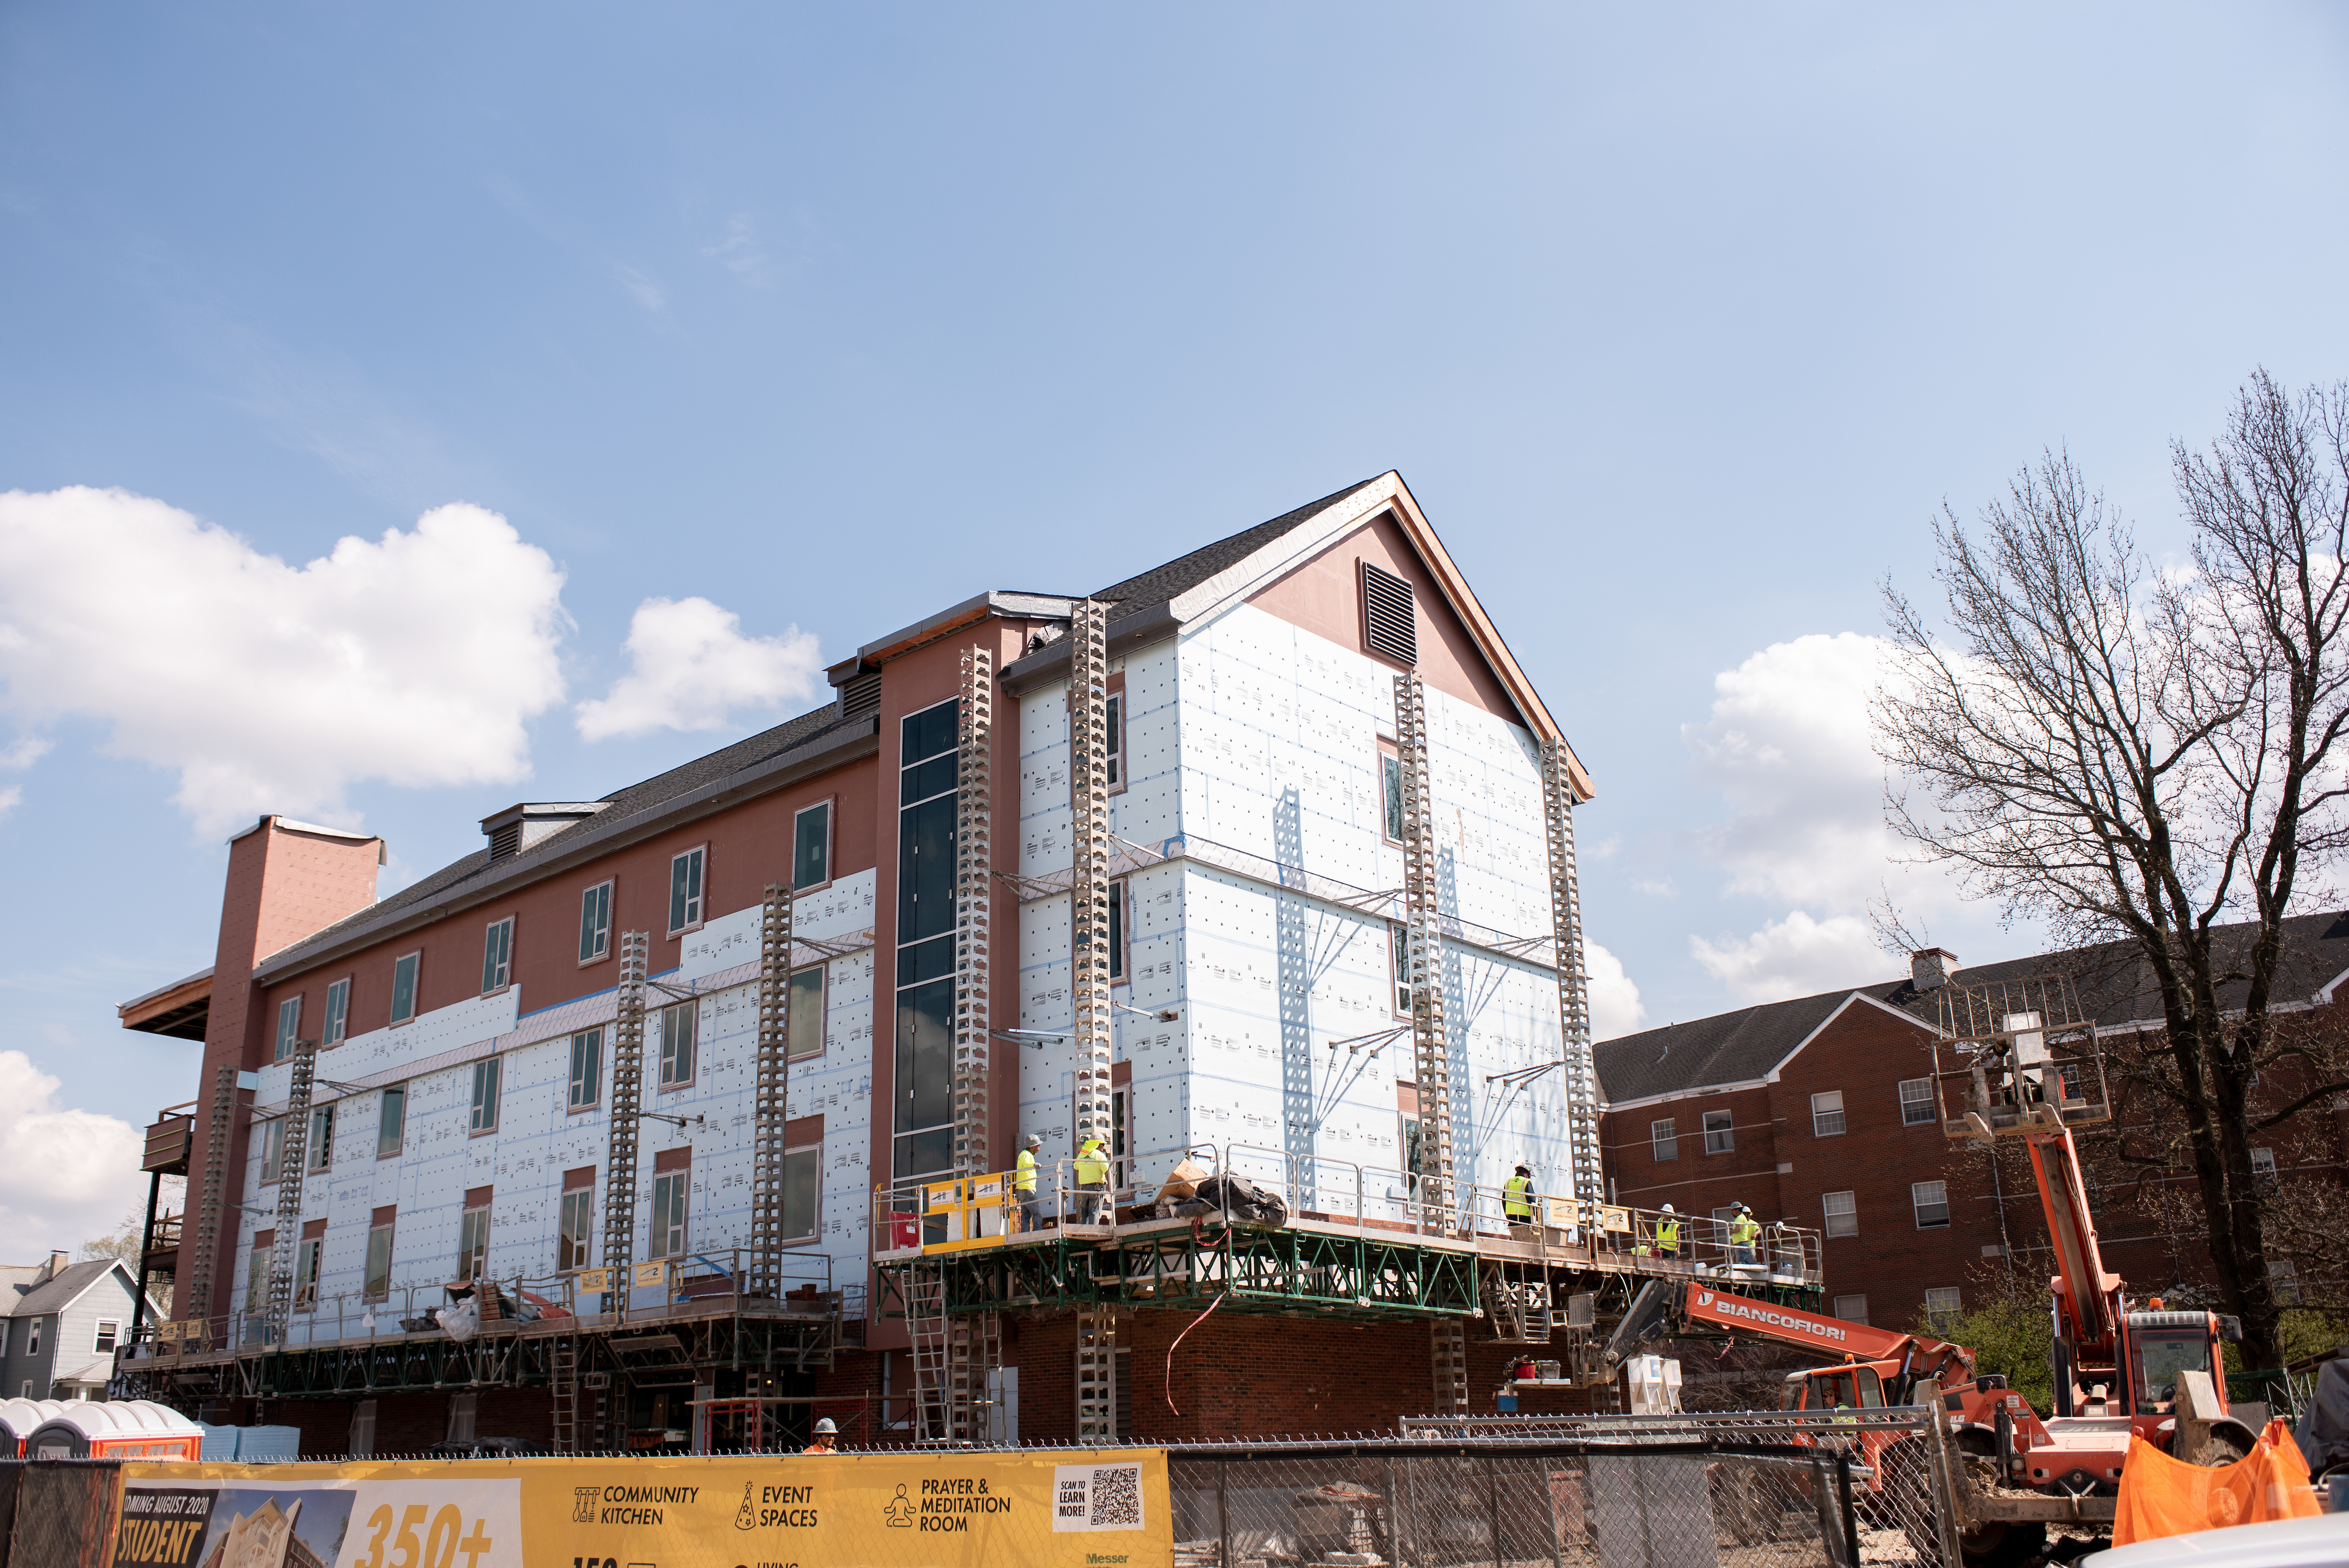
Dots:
pixel 1163 584
pixel 22 1298
pixel 1740 1048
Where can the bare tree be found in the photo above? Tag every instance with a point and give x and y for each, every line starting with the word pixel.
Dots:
pixel 2153 757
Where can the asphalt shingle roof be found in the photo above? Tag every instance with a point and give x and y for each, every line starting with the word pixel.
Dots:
pixel 22 1298
pixel 1184 572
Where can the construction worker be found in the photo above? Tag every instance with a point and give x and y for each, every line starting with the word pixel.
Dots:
pixel 1518 1198
pixel 1093 1177
pixel 1742 1230
pixel 1023 1184
pixel 1667 1234
pixel 826 1440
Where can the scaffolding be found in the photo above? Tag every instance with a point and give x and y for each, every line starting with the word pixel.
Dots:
pixel 1096 1375
pixel 1089 922
pixel 293 1163
pixel 627 1101
pixel 770 1104
pixel 1424 949
pixel 2017 1057
pixel 217 1123
pixel 974 909
pixel 1576 1066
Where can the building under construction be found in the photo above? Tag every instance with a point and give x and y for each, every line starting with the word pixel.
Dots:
pixel 679 1117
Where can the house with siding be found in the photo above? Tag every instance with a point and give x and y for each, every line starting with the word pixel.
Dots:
pixel 63 1322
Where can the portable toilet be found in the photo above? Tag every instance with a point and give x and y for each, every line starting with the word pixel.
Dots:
pixel 18 1420
pixel 116 1430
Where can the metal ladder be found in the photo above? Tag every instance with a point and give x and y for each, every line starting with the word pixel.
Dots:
pixel 925 1327
pixel 1448 1360
pixel 562 1383
pixel 1096 1375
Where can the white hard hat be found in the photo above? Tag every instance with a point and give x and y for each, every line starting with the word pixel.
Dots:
pixel 1035 1140
pixel 826 1426
pixel 1668 1208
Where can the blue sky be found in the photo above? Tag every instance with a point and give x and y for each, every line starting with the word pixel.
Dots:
pixel 826 318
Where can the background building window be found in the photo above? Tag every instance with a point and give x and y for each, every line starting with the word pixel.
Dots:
pixel 2283 1278
pixel 1842 1215
pixel 322 1138
pixel 586 1086
pixel 1916 1101
pixel 1826 1114
pixel 677 1045
pixel 577 1228
pixel 1390 812
pixel 803 1173
pixel 338 1015
pixel 1664 1138
pixel 392 1123
pixel 812 847
pixel 685 889
pixel 1719 1137
pixel 485 1096
pixel 272 1148
pixel 361 1442
pixel 667 1235
pixel 1114 743
pixel 461 1410
pixel 305 1273
pixel 1117 931
pixel 596 922
pixel 109 1333
pixel 1851 1308
pixel 403 987
pixel 497 955
pixel 806 1020
pixel 1398 952
pixel 1931 1201
pixel 289 1026
pixel 1944 1304
pixel 473 1236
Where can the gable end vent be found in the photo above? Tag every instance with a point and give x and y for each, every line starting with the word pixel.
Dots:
pixel 861 696
pixel 505 841
pixel 1390 627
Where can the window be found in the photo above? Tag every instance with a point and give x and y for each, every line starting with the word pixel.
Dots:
pixel 1663 1140
pixel 685 889
pixel 2263 1164
pixel 1943 1307
pixel 497 955
pixel 677 1045
pixel 812 847
pixel 461 1410
pixel 256 1278
pixel 1719 1137
pixel 485 1096
pixel 338 1015
pixel 1399 950
pixel 922 1063
pixel 1117 932
pixel 805 1022
pixel 2283 1278
pixel 1390 627
pixel 272 1148
pixel 305 1273
pixel 403 987
pixel 322 1138
pixel 34 1347
pixel 587 1088
pixel 1842 1215
pixel 596 922
pixel 392 1123
pixel 1851 1308
pixel 378 1284
pixel 1826 1114
pixel 802 1170
pixel 289 1026
pixel 668 1237
pixel 1916 1101
pixel 109 1330
pixel 1931 1201
pixel 577 1227
pixel 1115 741
pixel 362 1439
pixel 473 1235
pixel 1390 793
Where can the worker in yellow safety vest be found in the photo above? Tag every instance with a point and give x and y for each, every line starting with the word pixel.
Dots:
pixel 1742 1230
pixel 1023 1184
pixel 1517 1198
pixel 1092 1176
pixel 1667 1234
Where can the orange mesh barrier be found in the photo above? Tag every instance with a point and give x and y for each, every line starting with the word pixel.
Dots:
pixel 2162 1496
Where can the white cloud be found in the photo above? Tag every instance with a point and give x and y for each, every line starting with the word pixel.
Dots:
pixel 1615 1005
pixel 648 294
pixel 691 666
pixel 1797 956
pixel 10 799
pixel 72 1174
pixel 413 659
pixel 740 252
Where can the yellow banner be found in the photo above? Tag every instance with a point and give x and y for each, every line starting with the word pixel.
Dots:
pixel 1087 1507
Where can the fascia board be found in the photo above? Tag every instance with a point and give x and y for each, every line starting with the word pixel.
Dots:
pixel 802 761
pixel 1860 996
pixel 1243 577
pixel 995 601
pixel 1126 634
pixel 1698 1092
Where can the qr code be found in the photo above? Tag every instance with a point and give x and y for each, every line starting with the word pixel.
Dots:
pixel 1117 1497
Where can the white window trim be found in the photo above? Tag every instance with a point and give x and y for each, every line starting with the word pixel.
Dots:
pixel 1916 1209
pixel 289 1028
pixel 594 1099
pixel 824 1013
pixel 503 975
pixel 106 1328
pixel 339 1027
pixel 1729 1131
pixel 661 1085
pixel 611 889
pixel 393 1153
pixel 1932 1113
pixel 415 986
pixel 1827 1215
pixel 829 806
pixel 586 1242
pixel 1656 1140
pixel 1386 748
pixel 1818 1112
pixel 815 1234
pixel 697 912
pixel 495 1066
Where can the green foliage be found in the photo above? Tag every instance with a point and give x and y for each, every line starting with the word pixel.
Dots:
pixel 2305 1332
pixel 2011 1337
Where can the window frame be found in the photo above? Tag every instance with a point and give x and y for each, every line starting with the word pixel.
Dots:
pixel 1944 1318
pixel 1849 1214
pixel 680 1185
pixel 1113 736
pixel 1820 1114
pixel 415 964
pixel 697 904
pixel 309 1258
pixel 272 1149
pixel 1841 1316
pixel 583 1197
pixel 1665 1145
pixel 2263 1170
pixel 369 1289
pixel 662 1082
pixel 1398 969
pixel 1121 932
pixel 813 1146
pixel 487 1070
pixel 1917 1205
pixel 829 807
pixel 822 971
pixel 335 1028
pixel 34 1347
pixel 289 1027
pixel 497 956
pixel 384 1098
pixel 1388 752
pixel 572 1104
pixel 609 888
pixel 1727 1132
pixel 321 1151
pixel 105 1336
pixel 1932 1113
pixel 472 1242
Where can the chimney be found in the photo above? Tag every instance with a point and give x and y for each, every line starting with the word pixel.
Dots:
pixel 1930 968
pixel 57 1262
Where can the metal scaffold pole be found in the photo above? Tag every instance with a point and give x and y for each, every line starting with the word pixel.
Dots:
pixel 1423 954
pixel 217 1123
pixel 1573 983
pixel 293 1163
pixel 1089 926
pixel 770 1107
pixel 627 1101
pixel 974 909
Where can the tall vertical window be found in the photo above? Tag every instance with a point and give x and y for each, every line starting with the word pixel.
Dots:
pixel 322 1138
pixel 305 1272
pixel 485 1096
pixel 1931 1201
pixel 1115 745
pixel 403 987
pixel 1916 1101
pixel 1851 1308
pixel 1117 932
pixel 338 1015
pixel 2263 1164
pixel 684 872
pixel 497 955
pixel 1719 1136
pixel 596 922
pixel 391 1122
pixel 577 1224
pixel 1664 1138
pixel 586 1086
pixel 806 1018
pixel 272 1148
pixel 1389 792
pixel 666 1237
pixel 922 1085
pixel 812 847
pixel 289 1026
pixel 1842 1213
pixel 802 1180
pixel 1944 1304
pixel 1399 960
pixel 256 1280
pixel 1826 1114
pixel 109 1333
pixel 677 1024
pixel 377 1282
pixel 473 1235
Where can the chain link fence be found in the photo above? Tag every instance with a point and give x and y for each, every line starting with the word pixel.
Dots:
pixel 1609 1492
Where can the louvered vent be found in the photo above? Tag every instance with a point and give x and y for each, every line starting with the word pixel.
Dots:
pixel 862 697
pixel 505 842
pixel 1389 625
